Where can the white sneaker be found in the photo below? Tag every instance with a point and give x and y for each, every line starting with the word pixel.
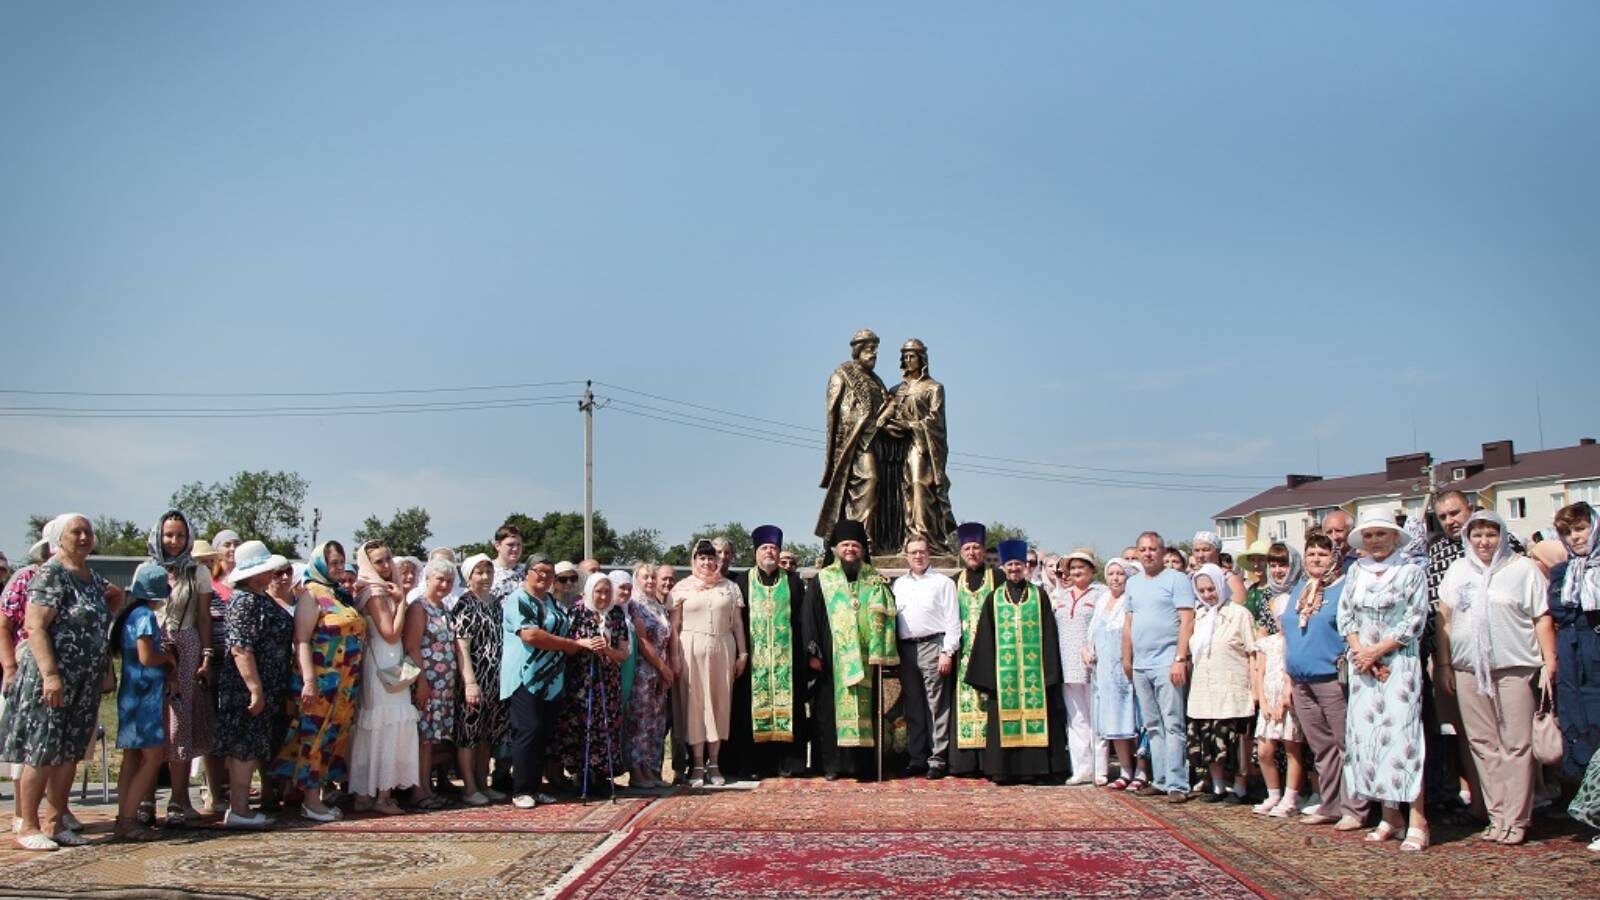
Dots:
pixel 476 798
pixel 523 801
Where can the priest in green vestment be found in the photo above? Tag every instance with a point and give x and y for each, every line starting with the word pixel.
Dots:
pixel 849 633
pixel 969 710
pixel 1016 665
pixel 776 696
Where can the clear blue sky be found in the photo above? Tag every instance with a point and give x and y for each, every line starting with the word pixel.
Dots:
pixel 1187 240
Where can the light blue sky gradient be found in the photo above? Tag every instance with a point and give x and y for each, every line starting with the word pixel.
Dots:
pixel 1202 240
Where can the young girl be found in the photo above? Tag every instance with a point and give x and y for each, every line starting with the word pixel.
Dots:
pixel 1275 723
pixel 141 698
pixel 1220 701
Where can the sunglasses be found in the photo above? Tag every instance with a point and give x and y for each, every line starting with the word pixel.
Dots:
pixel 568 579
pixel 1033 562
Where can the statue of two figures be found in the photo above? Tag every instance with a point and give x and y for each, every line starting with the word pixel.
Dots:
pixel 887 451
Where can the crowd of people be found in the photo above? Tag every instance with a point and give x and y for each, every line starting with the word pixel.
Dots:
pixel 1382 677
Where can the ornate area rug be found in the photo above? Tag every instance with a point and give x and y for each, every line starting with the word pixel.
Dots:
pixel 312 865
pixel 908 804
pixel 860 864
pixel 599 816
pixel 1286 859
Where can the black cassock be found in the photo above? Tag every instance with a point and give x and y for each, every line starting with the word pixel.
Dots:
pixel 769 758
pixel 1020 762
pixel 831 758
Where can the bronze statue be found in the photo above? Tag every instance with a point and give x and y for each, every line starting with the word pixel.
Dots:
pixel 857 400
pixel 917 417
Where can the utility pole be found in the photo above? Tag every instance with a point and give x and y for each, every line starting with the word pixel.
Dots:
pixel 316 525
pixel 587 406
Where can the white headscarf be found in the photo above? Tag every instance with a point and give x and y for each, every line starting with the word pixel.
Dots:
pixel 53 529
pixel 470 563
pixel 1473 598
pixel 1206 614
pixel 1581 587
pixel 588 593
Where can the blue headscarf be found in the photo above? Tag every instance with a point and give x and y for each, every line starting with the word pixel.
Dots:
pixel 318 572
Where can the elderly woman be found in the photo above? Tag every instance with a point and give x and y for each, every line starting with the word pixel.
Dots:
pixel 706 625
pixel 1221 704
pixel 589 727
pixel 430 641
pixel 1381 614
pixel 1574 605
pixel 1495 631
pixel 1208 549
pixel 1073 603
pixel 650 705
pixel 50 715
pixel 383 751
pixel 481 718
pixel 328 633
pixel 185 623
pixel 1115 718
pixel 254 678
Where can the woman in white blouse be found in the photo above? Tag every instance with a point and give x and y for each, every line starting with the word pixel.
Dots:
pixel 1495 629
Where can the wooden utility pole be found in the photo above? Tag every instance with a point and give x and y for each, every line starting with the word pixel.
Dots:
pixel 587 406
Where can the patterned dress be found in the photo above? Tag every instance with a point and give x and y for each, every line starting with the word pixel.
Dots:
pixel 255 622
pixel 650 707
pixel 189 725
pixel 436 721
pixel 317 748
pixel 593 699
pixel 1585 805
pixel 477 621
pixel 1115 714
pixel 141 723
pixel 1383 725
pixel 1577 678
pixel 30 732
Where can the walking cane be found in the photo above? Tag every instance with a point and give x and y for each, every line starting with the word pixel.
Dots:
pixel 605 722
pixel 588 727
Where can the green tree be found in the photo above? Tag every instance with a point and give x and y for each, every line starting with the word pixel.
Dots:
pixel 119 537
pixel 808 554
pixel 557 535
pixel 263 506
pixel 406 533
pixel 36 525
pixel 744 553
pixel 1000 531
pixel 676 555
pixel 637 546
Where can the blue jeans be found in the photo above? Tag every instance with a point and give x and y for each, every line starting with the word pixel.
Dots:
pixel 1161 707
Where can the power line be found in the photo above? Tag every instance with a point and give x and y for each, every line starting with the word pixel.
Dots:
pixel 370 393
pixel 285 412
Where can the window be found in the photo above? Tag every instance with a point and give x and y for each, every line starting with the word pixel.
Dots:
pixel 1280 530
pixel 1458 473
pixel 1587 491
pixel 1516 508
pixel 1318 515
pixel 1228 528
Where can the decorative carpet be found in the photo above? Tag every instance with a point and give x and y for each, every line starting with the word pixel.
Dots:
pixel 303 865
pixel 908 804
pixel 596 816
pixel 1286 859
pixel 854 864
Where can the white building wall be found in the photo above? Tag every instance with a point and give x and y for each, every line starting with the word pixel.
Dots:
pixel 1286 525
pixel 1529 506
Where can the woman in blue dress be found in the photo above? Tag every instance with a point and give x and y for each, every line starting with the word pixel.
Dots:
pixel 1115 718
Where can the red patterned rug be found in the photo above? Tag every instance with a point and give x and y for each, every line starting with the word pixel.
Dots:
pixel 860 864
pixel 597 816
pixel 912 804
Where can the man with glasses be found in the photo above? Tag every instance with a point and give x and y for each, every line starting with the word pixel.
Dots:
pixel 928 626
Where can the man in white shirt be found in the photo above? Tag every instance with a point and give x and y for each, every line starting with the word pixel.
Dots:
pixel 928 626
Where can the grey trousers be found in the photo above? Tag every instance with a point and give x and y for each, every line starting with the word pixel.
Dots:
pixel 926 703
pixel 1319 707
pixel 1502 746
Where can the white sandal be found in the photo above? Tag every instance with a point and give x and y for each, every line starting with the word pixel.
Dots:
pixel 37 841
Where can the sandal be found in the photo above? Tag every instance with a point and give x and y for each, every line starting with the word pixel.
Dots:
pixel 1416 840
pixel 1382 833
pixel 147 813
pixel 68 838
pixel 179 817
pixel 36 841
pixel 1135 784
pixel 1121 784
pixel 699 780
pixel 131 830
pixel 387 808
pixel 432 802
pixel 1514 836
pixel 714 776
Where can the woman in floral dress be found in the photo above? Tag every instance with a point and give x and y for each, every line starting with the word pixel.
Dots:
pixel 650 706
pixel 589 729
pixel 1381 615
pixel 328 633
pixel 481 717
pixel 431 644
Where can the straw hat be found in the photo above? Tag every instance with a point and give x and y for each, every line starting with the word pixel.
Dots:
pixel 1261 547
pixel 1082 553
pixel 203 551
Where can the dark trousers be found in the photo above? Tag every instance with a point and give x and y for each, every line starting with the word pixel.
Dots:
pixel 532 721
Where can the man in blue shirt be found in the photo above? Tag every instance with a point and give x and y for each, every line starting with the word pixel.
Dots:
pixel 1155 656
pixel 533 651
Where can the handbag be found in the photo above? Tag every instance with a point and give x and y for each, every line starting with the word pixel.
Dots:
pixel 1548 748
pixel 398 677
